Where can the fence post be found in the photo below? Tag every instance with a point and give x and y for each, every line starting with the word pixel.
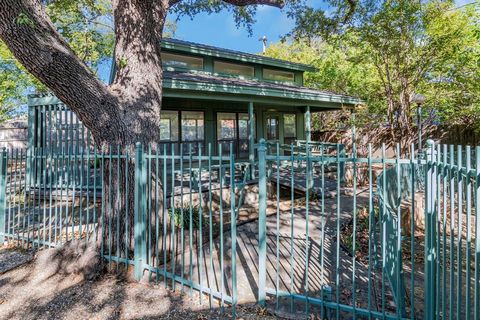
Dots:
pixel 342 151
pixel 430 234
pixel 262 223
pixel 140 228
pixel 3 194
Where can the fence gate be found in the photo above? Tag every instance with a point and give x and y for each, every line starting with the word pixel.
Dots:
pixel 397 240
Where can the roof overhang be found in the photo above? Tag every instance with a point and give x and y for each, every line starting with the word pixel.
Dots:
pixel 247 91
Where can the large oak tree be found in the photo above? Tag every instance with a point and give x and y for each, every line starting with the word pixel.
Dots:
pixel 128 110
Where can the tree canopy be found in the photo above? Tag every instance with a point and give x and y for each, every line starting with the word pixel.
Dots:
pixel 392 51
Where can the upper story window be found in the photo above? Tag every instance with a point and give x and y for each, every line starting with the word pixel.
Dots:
pixel 181 61
pixel 278 75
pixel 233 69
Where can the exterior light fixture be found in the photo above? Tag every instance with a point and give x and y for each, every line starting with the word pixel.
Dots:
pixel 419 99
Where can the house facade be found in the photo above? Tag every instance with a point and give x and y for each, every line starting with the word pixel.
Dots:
pixel 211 95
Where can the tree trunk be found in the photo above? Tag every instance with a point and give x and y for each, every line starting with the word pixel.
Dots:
pixel 115 226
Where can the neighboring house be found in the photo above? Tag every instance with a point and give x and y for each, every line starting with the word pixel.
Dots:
pixel 14 133
pixel 212 95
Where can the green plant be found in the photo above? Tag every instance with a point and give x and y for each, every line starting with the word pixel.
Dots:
pixel 96 163
pixel 181 217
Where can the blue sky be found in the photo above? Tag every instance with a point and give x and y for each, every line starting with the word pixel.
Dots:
pixel 220 29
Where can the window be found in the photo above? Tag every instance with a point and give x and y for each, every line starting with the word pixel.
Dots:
pixel 278 75
pixel 169 125
pixel 181 61
pixel 192 126
pixel 226 126
pixel 243 125
pixel 289 126
pixel 273 127
pixel 243 131
pixel 233 69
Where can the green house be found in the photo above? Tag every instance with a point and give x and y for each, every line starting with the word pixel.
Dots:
pixel 211 95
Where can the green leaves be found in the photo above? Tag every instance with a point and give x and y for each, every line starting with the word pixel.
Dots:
pixel 87 26
pixel 391 49
pixel 15 82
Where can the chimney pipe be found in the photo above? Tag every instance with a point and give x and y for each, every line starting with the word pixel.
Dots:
pixel 264 44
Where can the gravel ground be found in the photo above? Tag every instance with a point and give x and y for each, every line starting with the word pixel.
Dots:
pixel 11 258
pixel 26 292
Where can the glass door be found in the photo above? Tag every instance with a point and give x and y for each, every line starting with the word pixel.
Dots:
pixel 243 132
pixel 227 131
pixel 273 128
pixel 232 128
pixel 281 128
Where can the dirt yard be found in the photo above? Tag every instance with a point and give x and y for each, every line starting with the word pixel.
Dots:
pixel 28 291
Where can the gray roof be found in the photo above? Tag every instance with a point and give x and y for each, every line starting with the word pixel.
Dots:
pixel 208 50
pixel 230 85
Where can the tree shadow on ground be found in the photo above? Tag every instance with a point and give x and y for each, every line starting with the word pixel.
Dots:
pixel 24 295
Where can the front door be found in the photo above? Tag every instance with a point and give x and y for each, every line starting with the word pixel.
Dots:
pixel 273 128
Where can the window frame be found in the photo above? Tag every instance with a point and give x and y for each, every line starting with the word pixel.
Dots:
pixel 264 77
pixel 179 129
pixel 236 141
pixel 202 59
pixel 294 122
pixel 178 126
pixel 235 75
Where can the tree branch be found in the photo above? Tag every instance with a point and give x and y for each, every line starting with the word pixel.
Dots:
pixel 173 2
pixel 272 3
pixel 242 3
pixel 30 35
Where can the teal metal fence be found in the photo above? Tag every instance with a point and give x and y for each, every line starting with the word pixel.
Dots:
pixel 50 197
pixel 403 245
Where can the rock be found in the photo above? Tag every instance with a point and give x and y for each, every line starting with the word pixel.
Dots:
pixel 77 257
pixel 419 214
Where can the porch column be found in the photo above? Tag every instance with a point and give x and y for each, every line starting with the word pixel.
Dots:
pixel 251 140
pixel 308 138
pixel 354 129
pixel 308 125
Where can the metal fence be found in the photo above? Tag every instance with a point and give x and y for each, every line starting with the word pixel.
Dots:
pixel 400 245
